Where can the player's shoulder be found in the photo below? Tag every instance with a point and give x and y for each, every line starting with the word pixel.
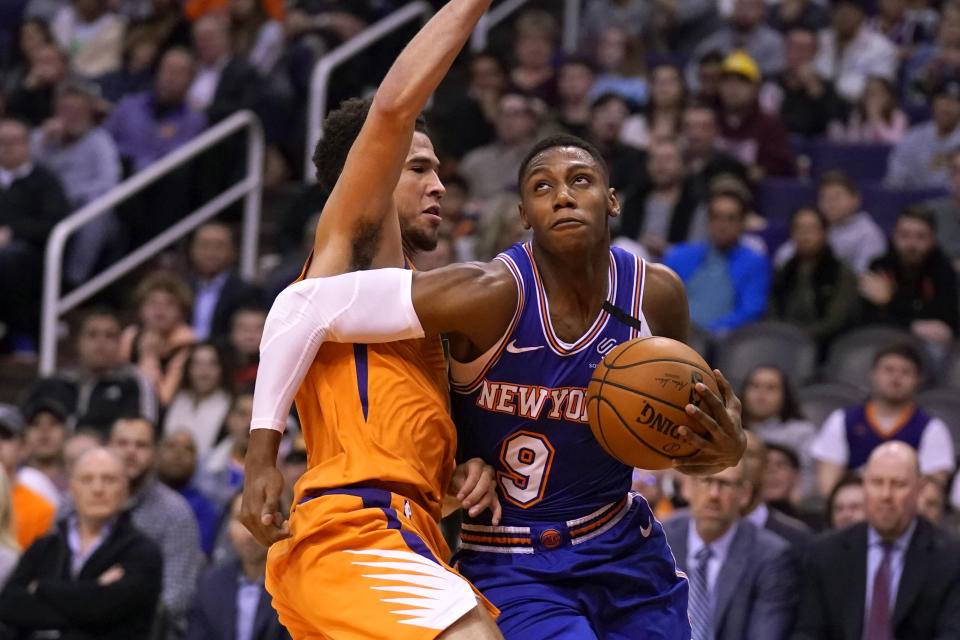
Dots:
pixel 665 302
pixel 490 278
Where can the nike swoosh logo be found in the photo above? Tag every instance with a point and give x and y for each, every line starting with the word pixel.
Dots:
pixel 513 348
pixel 645 531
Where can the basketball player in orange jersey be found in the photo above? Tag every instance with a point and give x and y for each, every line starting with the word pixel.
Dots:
pixel 526 331
pixel 362 555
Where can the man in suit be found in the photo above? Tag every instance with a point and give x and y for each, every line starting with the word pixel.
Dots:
pixel 218 290
pixel 96 576
pixel 893 577
pixel 742 580
pixel 232 603
pixel 755 465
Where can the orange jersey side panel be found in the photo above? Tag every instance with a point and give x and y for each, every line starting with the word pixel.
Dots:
pixel 378 415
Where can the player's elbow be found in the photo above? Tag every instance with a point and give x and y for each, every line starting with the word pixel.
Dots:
pixel 393 105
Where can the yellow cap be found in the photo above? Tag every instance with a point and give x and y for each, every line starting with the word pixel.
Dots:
pixel 742 64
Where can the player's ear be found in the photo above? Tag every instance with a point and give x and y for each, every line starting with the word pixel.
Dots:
pixel 523 216
pixel 613 203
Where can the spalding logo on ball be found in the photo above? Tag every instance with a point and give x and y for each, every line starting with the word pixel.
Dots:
pixel 636 400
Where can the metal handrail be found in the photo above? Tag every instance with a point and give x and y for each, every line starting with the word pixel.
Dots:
pixel 248 188
pixel 499 13
pixel 320 78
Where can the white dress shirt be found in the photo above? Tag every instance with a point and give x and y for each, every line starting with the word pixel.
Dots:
pixel 718 547
pixel 875 557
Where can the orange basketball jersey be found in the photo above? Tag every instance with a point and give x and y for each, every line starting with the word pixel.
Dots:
pixel 378 415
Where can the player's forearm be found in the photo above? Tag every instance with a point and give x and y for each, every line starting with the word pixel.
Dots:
pixel 424 62
pixel 263 449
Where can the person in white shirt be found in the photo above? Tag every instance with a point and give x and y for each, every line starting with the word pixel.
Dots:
pixel 848 436
pixel 202 404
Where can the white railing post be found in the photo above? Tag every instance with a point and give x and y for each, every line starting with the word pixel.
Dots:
pixel 320 78
pixel 52 305
pixel 571 25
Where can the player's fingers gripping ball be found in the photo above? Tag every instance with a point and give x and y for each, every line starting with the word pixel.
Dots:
pixel 637 397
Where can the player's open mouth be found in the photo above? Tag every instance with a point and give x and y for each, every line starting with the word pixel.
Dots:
pixel 433 211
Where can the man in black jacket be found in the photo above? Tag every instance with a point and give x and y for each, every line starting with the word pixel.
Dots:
pixel 96 576
pixel 32 201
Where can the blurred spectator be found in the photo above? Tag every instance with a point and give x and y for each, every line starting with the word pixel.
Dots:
pixel 758 140
pixel 619 56
pixel 164 26
pixel 535 38
pixel 932 64
pixel 43 9
pixel 246 330
pixel 31 203
pixel 625 163
pixel 848 436
pixel 814 290
pixel 649 484
pixel 92 35
pixel 161 513
pixel 256 37
pixel 703 158
pixel 221 471
pixel 136 73
pixel 195 9
pixel 95 576
pixel 891 577
pixel 223 84
pixel 85 159
pixel 202 403
pixel 805 102
pixel 709 77
pixel 158 345
pixel 78 444
pixel 442 255
pixel 727 282
pixel 631 17
pixel 661 215
pixel 459 218
pixel 574 81
pixel 493 168
pixel 217 288
pixel 147 126
pixel 845 504
pixel 946 213
pixel 747 32
pixel 876 117
pixel 463 119
pixel 914 284
pixel 32 99
pixel 850 51
pixel 233 603
pixel 921 157
pixel 44 469
pixel 932 502
pixel 102 387
pixel 500 226
pixel 902 28
pixel 742 582
pixel 782 478
pixel 756 510
pixel 853 235
pixel 176 465
pixel 9 549
pixel 805 14
pixel 32 513
pixel 32 35
pixel 771 411
pixel 661 118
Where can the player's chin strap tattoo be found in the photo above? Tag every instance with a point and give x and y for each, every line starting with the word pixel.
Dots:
pixel 622 316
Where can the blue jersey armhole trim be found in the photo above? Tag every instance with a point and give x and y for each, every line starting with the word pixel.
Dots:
pixel 360 360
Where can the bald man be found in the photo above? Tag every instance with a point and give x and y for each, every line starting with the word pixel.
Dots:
pixel 893 576
pixel 795 532
pixel 95 576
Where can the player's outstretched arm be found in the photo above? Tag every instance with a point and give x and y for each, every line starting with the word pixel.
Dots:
pixel 362 197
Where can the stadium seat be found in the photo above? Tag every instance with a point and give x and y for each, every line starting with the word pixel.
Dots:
pixel 943 404
pixel 884 203
pixel 699 340
pixel 860 161
pixel 851 356
pixel 767 343
pixel 951 370
pixel 818 401
pixel 778 198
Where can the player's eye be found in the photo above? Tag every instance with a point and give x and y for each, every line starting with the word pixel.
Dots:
pixel 418 169
pixel 540 186
pixel 581 179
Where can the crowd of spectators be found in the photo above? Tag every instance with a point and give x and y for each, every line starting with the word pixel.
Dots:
pixel 795 161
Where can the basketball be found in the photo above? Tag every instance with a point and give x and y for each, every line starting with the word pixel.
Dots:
pixel 636 400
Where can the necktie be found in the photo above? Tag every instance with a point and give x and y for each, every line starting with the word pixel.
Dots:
pixel 878 623
pixel 701 601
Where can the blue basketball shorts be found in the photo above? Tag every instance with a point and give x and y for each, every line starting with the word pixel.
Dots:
pixel 609 575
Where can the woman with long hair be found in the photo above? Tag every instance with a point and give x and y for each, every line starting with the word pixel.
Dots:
pixel 663 113
pixel 256 36
pixel 876 117
pixel 204 398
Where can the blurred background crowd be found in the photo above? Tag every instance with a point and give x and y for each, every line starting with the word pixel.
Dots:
pixel 796 162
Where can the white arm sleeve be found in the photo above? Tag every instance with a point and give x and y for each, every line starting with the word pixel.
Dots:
pixel 830 445
pixel 362 306
pixel 936 448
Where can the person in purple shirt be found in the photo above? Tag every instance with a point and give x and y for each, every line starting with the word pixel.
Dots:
pixel 146 126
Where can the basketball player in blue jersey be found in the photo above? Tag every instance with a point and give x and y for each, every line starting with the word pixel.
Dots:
pixel 575 555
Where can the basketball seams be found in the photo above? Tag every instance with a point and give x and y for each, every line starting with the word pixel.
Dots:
pixel 646 395
pixel 641 362
pixel 641 440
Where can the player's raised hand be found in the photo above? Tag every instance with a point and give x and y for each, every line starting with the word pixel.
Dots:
pixel 724 442
pixel 474 484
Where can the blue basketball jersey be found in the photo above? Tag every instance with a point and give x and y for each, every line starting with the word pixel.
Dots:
pixel 522 406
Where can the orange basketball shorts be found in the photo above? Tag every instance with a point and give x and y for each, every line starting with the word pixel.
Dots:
pixel 365 563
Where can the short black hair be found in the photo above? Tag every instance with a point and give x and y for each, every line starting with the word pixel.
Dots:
pixel 98 311
pixel 789 452
pixel 811 209
pixel 903 350
pixel 711 57
pixel 839 178
pixel 919 212
pixel 849 479
pixel 730 194
pixel 340 129
pixel 560 140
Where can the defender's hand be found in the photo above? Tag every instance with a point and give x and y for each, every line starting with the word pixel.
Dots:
pixel 260 507
pixel 724 441
pixel 475 486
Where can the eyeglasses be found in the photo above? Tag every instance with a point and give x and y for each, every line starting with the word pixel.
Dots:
pixel 724 485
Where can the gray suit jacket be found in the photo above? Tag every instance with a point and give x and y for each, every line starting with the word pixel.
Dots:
pixel 756 592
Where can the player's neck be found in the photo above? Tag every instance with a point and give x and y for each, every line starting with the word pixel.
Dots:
pixel 575 282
